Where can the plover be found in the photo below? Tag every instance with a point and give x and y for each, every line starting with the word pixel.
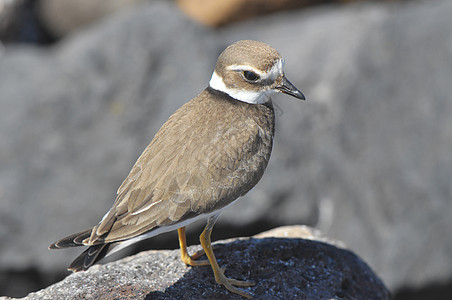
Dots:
pixel 211 151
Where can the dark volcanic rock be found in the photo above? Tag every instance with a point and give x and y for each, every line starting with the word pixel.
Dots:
pixel 282 268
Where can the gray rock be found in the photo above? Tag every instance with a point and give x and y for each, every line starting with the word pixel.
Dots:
pixel 366 158
pixel 283 268
pixel 62 17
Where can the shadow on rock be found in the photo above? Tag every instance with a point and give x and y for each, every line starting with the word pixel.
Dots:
pixel 282 268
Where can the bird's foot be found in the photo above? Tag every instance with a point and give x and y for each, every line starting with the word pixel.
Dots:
pixel 230 283
pixel 192 259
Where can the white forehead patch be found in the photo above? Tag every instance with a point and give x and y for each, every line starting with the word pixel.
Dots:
pixel 272 74
pixel 253 97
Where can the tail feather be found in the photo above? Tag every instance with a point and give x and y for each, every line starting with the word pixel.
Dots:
pixel 89 257
pixel 74 240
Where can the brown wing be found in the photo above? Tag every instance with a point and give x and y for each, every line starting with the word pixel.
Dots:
pixel 205 156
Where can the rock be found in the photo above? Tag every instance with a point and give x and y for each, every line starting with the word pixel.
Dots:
pixel 283 268
pixel 62 17
pixel 366 158
pixel 299 231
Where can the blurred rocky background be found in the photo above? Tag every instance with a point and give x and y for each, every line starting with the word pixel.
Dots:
pixel 84 85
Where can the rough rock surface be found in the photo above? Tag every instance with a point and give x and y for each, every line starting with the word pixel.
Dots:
pixel 283 268
pixel 366 158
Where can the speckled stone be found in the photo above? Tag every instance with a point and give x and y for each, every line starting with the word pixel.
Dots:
pixel 283 268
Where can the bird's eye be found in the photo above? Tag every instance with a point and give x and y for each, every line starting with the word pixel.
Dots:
pixel 251 76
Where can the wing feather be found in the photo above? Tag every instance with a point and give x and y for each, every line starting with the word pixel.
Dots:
pixel 177 178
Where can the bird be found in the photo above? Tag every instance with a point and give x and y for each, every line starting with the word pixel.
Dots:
pixel 210 152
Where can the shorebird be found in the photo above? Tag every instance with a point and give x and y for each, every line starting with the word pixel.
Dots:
pixel 211 151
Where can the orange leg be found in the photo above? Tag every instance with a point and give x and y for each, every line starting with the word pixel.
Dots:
pixel 186 258
pixel 220 278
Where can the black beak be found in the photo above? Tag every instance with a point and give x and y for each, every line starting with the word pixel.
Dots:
pixel 288 88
